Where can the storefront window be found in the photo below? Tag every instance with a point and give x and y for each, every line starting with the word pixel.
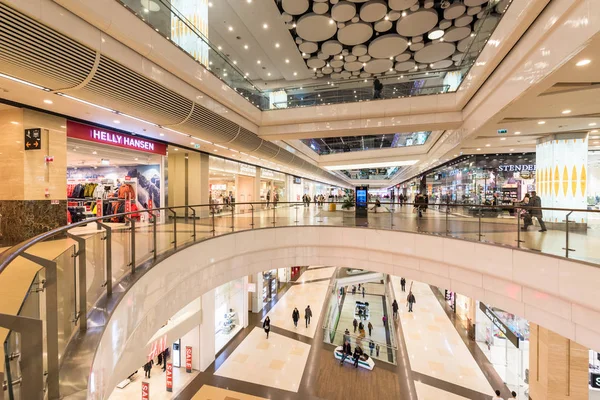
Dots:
pixel 229 303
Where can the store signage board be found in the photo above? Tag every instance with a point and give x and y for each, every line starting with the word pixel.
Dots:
pixel 595 380
pixel 246 169
pixel 499 324
pixel 145 390
pixel 169 377
pixel 100 135
pixel 33 139
pixel 297 180
pixel 517 168
pixel 188 359
pixel 502 131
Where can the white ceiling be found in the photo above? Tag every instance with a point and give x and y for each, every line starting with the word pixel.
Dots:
pixel 82 153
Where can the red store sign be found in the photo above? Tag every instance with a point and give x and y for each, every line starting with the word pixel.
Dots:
pixel 145 390
pixel 169 377
pixel 188 359
pixel 100 135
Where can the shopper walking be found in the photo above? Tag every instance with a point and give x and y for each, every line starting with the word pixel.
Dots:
pixel 355 324
pixel 403 284
pixel 371 347
pixel 536 201
pixel 395 308
pixel 497 396
pixel 353 290
pixel 295 316
pixel 307 315
pixel 148 368
pixel 384 319
pixel 377 350
pixel 165 357
pixel 370 327
pixel 268 198
pixel 361 327
pixel 411 300
pixel 346 336
pixel 267 326
pixel 377 88
pixel 363 292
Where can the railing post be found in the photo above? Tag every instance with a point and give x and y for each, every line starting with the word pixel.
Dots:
pixel 82 260
pixel 296 207
pixel 232 216
pixel 447 214
pixel 480 212
pixel 214 232
pixel 392 218
pixel 273 215
pixel 252 216
pixel 154 249
pixel 174 228
pixel 108 240
pixel 132 261
pixel 193 223
pixel 518 214
pixel 567 249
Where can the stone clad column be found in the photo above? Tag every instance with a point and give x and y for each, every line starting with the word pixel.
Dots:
pixel 558 367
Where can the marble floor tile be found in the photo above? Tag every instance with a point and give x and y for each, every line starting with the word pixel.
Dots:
pixel 158 382
pixel 276 362
pixel 314 274
pixel 426 392
pixel 208 392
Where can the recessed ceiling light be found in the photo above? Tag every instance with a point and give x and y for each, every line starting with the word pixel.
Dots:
pixel 248 1
pixel 94 152
pixel 503 138
pixel 215 150
pixel 258 61
pixel 287 61
pixel 14 122
pixel 62 126
pixel 294 25
pixel 566 111
pixel 210 4
pixel 230 29
pixel 265 26
pixel 161 134
pixel 592 124
pixel 48 101
pixel 583 62
pixel 387 18
pixel 404 13
pixel 234 62
pixel 594 131
pixel 478 149
pixel 512 150
pixel 219 47
pixel 277 45
pixel 517 133
pixel 487 145
pixel 136 159
pixel 331 21
pixel 246 74
pixel 410 43
pixel 436 34
pixel 295 73
pixel 541 122
pixel 176 149
pixel 268 74
pixel 116 121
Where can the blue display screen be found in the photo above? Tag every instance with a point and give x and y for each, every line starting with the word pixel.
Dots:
pixel 361 197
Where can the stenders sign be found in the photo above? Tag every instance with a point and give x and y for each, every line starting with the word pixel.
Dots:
pixel 499 324
pixel 100 135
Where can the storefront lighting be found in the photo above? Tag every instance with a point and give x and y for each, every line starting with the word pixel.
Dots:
pixel 105 161
pixel 23 82
pixel 86 102
pixel 223 147
pixel 235 151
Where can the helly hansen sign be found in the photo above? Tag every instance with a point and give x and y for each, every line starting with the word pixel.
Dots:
pixel 100 135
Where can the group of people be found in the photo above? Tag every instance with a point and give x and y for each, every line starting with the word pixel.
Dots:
pixel 410 299
pixel 527 215
pixel 295 317
pixel 497 395
pixel 421 203
pixel 275 198
pixel 162 361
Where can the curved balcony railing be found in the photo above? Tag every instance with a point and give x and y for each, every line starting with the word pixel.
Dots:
pixel 54 283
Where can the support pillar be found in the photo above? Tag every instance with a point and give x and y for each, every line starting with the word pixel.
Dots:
pixel 207 330
pixel 558 367
pixel 257 296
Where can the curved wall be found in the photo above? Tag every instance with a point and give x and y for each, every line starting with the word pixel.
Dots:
pixel 549 291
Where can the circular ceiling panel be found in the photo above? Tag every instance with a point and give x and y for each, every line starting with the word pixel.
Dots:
pixel 331 47
pixel 320 8
pixel 429 3
pixel 387 46
pixel 315 27
pixel 378 66
pixel 354 34
pixel 338 69
pixel 353 66
pixel 442 64
pixel 315 62
pixel 417 46
pixel 417 39
pixel 336 76
pixel 463 21
pixel 474 10
pixel 295 7
pixel 454 11
pixel 327 70
pixel 359 50
pixel 365 75
pixel 472 3
pixel 455 34
pixel 435 52
pixel 350 58
pixel 383 25
pixel 308 47
pixel 400 5
pixel 336 63
pixel 464 44
pixel 417 23
pixel 322 55
pixel 364 58
pixel 346 74
pixel 355 73
pixel 345 52
pixel 343 11
pixel 405 66
pixel 445 24
pixel 394 15
pixel 373 11
pixel 286 17
pixel 403 57
pixel 415 7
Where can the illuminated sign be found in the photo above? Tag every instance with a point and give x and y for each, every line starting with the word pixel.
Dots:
pixel 248 169
pixel 517 168
pixel 188 359
pixel 218 186
pixel 499 324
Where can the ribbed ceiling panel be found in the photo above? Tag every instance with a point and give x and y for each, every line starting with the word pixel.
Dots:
pixel 284 157
pixel 39 55
pixel 297 162
pixel 246 141
pixel 268 150
pixel 213 126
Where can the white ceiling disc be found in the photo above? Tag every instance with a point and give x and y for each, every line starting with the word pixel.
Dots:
pixel 289 25
pixel 445 24
pixel 501 6
pixel 464 44
pixel 315 62
pixel 383 25
pixel 394 15
pixel 400 5
pixel 353 66
pixel 455 34
pixel 286 17
pixel 340 25
pixel 322 55
pixel 343 11
pixel 319 75
pixel 454 11
pixel 308 47
pixel 442 64
pixel 336 76
pixel 320 1
pixel 429 3
pixel 423 66
pixel 336 63
pixel 354 34
pixel 355 73
pixel 364 58
pixel 417 46
pixel 373 10
pixel 350 58
pixel 387 46
pixel 458 56
pixel 463 21
pixel 320 8
pixel 299 40
pixel 345 52
pixel 315 27
pixel 480 14
pixel 378 66
pixel 403 57
pixel 355 19
pixel 365 75
pixel 334 1
pixel 337 69
pixel 346 74
pixel 359 50
pixel 417 23
pixel 435 52
pixel 295 7
pixel 415 7
pixel 327 70
pixel 332 47
pixel 306 56
pixel 417 39
pixel 358 1
pixel 472 3
pixel 486 25
pixel 405 66
pixel 473 10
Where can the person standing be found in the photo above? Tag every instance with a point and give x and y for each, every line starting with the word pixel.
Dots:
pixel 395 308
pixel 268 198
pixel 371 347
pixel 353 290
pixel 346 336
pixel 377 88
pixel 356 356
pixel 497 396
pixel 346 352
pixel 267 326
pixel 536 201
pixel 295 316
pixel 361 327
pixel 355 324
pixel 363 291
pixel 377 350
pixel 307 315
pixel 370 327
pixel 403 284
pixel 384 319
pixel 411 300
pixel 165 357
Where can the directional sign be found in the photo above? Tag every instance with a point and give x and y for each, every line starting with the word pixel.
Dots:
pixel 33 139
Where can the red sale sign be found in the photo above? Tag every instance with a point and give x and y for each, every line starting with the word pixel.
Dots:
pixel 145 390
pixel 188 359
pixel 99 208
pixel 169 377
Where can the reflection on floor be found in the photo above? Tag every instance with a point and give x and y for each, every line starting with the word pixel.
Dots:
pixel 208 392
pixel 426 392
pixel 433 344
pixel 276 362
pixel 300 296
pixel 157 380
pixel 315 274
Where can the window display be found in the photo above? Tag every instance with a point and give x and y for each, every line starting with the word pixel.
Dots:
pixel 229 300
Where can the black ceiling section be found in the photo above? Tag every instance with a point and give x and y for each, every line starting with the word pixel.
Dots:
pixel 35 53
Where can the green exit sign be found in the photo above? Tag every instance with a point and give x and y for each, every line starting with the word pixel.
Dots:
pixel 502 131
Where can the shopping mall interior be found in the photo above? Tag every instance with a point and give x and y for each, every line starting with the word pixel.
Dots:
pixel 299 199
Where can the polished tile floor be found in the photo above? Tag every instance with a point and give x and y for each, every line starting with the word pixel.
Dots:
pixel 316 274
pixel 426 392
pixel 208 392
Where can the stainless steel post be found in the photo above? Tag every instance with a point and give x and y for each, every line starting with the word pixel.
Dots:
pixel 252 217
pixel 154 249
pixel 108 240
pixel 273 215
pixel 82 261
pixel 174 242
pixel 193 223
pixel 214 232
pixel 518 214
pixel 480 212
pixel 232 216
pixel 132 261
pixel 447 214
pixel 567 249
pixel 296 207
